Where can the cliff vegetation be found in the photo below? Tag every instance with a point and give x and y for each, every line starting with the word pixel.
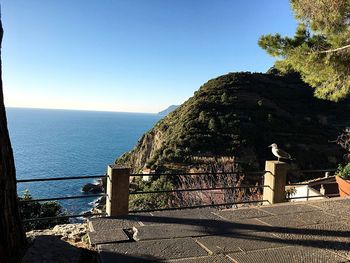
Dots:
pixel 237 116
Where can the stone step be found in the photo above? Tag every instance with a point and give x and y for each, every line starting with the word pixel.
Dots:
pixel 208 259
pixel 291 254
pixel 109 223
pixel 150 251
pixel 242 213
pixel 224 244
pixel 107 236
pixel 179 216
pixel 202 228
pixel 300 219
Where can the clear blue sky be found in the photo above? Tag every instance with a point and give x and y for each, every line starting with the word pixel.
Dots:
pixel 130 55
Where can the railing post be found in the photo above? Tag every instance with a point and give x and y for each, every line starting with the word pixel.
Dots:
pixel 275 180
pixel 117 201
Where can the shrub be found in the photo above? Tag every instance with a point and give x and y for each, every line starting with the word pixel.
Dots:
pixel 32 210
pixel 212 125
pixel 150 201
pixel 344 172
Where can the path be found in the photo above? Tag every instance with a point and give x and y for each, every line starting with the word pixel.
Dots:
pixel 314 231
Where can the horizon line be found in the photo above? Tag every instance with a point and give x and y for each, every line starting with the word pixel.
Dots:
pixel 92 110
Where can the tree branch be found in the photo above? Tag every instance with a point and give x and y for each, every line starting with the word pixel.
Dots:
pixel 332 50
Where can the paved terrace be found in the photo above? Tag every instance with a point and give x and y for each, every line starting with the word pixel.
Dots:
pixel 314 231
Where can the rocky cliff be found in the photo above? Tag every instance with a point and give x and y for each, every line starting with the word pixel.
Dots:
pixel 238 115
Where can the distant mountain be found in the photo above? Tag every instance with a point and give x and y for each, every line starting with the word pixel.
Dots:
pixel 239 115
pixel 168 110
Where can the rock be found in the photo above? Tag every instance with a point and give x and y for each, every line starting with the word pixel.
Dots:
pixel 47 248
pixel 100 203
pixel 63 243
pixel 103 182
pixel 98 206
pixel 87 213
pixel 92 188
pixel 66 232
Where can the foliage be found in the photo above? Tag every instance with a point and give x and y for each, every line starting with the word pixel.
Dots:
pixel 206 177
pixel 344 140
pixel 32 210
pixel 213 180
pixel 150 201
pixel 320 48
pixel 344 171
pixel 323 16
pixel 258 109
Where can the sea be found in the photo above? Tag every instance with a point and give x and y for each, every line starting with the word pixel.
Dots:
pixel 62 143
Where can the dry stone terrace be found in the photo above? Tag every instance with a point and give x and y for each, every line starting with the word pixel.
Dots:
pixel 313 231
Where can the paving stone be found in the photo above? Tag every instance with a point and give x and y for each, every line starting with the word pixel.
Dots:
pixel 282 221
pixel 332 236
pixel 239 242
pixel 242 213
pixel 291 254
pixel 317 217
pixel 148 251
pixel 338 207
pixel 288 208
pixel 107 236
pixel 185 216
pixel 209 259
pixel 316 231
pixel 299 219
pixel 321 232
pixel 47 248
pixel 177 230
pixel 185 212
pixel 153 232
pixel 108 223
pixel 332 202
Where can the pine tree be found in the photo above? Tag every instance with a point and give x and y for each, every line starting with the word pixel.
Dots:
pixel 12 236
pixel 320 48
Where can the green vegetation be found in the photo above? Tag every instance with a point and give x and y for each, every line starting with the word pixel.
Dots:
pixel 344 172
pixel 239 115
pixel 150 201
pixel 320 48
pixel 32 210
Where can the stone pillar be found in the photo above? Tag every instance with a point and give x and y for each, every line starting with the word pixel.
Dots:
pixel 275 180
pixel 117 200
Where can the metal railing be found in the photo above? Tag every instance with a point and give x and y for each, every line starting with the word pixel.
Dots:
pixel 198 206
pixel 226 188
pixel 312 183
pixel 198 189
pixel 202 173
pixel 60 178
pixel 198 174
pixel 60 197
pixel 117 174
pixel 312 196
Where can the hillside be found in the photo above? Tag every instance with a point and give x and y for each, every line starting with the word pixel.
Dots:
pixel 168 110
pixel 240 114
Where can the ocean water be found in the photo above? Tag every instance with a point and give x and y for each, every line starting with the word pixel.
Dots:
pixel 59 143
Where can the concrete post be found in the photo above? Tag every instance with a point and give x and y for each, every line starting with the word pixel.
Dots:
pixel 275 179
pixel 117 201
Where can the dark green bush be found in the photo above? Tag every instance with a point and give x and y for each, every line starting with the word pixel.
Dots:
pixel 150 201
pixel 344 171
pixel 32 210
